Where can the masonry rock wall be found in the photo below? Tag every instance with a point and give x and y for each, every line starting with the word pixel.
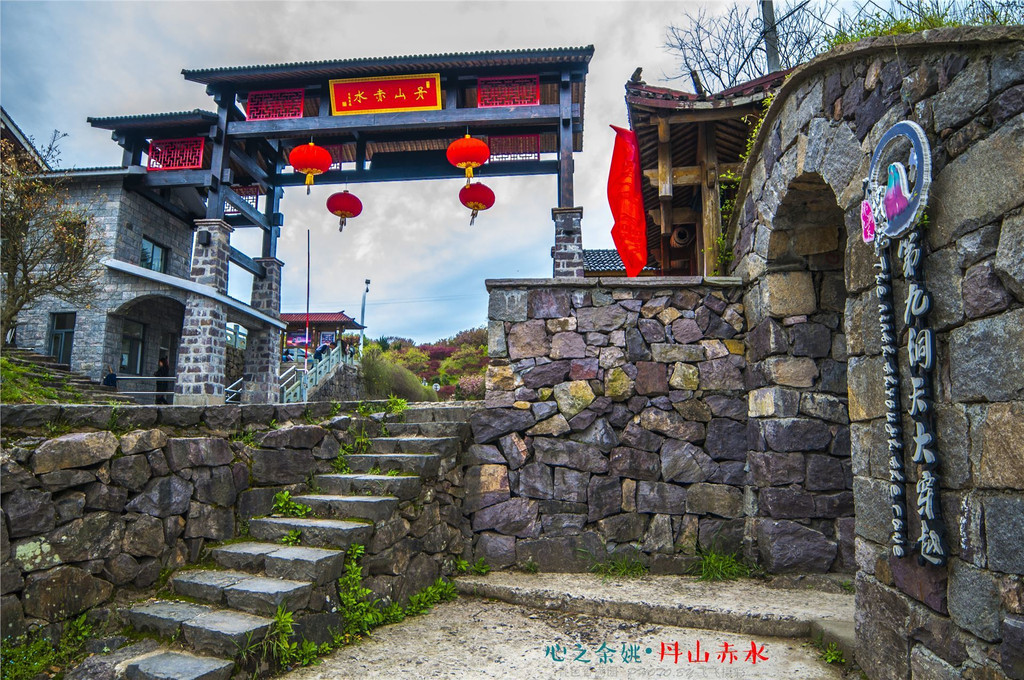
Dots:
pixel 965 88
pixel 133 491
pixel 617 420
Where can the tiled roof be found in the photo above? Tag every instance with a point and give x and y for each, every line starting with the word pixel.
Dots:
pixel 320 317
pixel 606 260
pixel 154 120
pixel 663 97
pixel 369 65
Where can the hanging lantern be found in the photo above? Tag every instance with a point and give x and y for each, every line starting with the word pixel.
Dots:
pixel 476 197
pixel 468 153
pixel 344 205
pixel 311 160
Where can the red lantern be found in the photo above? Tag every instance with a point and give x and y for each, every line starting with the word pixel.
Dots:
pixel 344 205
pixel 311 160
pixel 468 153
pixel 476 197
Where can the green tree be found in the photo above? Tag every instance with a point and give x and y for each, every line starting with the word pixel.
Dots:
pixel 50 247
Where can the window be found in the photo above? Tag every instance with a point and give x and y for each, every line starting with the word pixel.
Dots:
pixel 153 256
pixel 131 347
pixel 62 336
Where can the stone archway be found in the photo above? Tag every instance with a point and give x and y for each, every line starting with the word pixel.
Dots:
pixel 800 437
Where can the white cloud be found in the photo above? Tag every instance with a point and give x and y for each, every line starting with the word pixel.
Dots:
pixel 61 62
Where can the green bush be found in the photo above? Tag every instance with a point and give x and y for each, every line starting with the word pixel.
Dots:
pixel 382 379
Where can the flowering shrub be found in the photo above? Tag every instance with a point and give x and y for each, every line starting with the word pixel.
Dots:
pixel 470 387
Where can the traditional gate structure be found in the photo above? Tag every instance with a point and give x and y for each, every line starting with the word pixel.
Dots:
pixel 381 119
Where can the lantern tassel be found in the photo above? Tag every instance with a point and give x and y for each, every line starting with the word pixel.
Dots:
pixel 341 224
pixel 309 182
pixel 469 173
pixel 472 219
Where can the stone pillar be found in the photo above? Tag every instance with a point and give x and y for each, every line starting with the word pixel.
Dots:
pixel 263 346
pixel 567 252
pixel 201 360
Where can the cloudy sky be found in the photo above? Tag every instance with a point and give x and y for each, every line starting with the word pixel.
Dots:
pixel 63 61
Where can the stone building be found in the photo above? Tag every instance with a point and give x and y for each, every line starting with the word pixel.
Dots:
pixel 760 412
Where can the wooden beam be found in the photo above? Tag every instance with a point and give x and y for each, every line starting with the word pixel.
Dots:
pixel 240 204
pixel 177 178
pixel 381 122
pixel 690 176
pixel 711 216
pixel 249 164
pixel 219 158
pixel 664 160
pixel 247 263
pixel 405 173
pixel 679 216
pixel 565 165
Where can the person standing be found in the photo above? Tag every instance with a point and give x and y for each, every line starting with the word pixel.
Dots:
pixel 162 371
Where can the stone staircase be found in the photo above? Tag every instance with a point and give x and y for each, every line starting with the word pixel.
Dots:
pixel 216 612
pixel 71 386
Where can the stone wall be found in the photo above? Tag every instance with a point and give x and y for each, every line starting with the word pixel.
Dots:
pixel 965 88
pixel 137 490
pixel 345 385
pixel 617 420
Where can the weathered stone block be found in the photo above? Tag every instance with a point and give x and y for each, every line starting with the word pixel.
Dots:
pixel 659 497
pixel 131 472
pixel 547 303
pixel 208 521
pixel 651 378
pixel 600 319
pixel 667 354
pixel 571 485
pixel 163 497
pixel 145 537
pixel 29 512
pixel 983 293
pixel 622 528
pixel 604 497
pixel 997 374
pixel 786 503
pixel 726 439
pixel 493 423
pixel 776 469
pixel 683 462
pixel 715 499
pixel 568 346
pixel 528 339
pixel 1008 263
pixel 684 377
pixel 1004 533
pixel 75 450
pixel 634 463
pixel 63 592
pixel 788 293
pixel 498 551
pixel 866 388
pixel 571 454
pixel 535 481
pixel 925 584
pixel 684 331
pixel 874 509
pixel 787 547
pixel 824 473
pixel 507 305
pixel 1001 463
pixel 194 451
pixel 140 441
pixel 766 339
pixel 790 371
pixel 514 517
pixel 773 401
pixel 974 600
pixel 670 424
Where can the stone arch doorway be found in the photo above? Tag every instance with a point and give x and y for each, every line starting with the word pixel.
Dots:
pixel 138 334
pixel 800 435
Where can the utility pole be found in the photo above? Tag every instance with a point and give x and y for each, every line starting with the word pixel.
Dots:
pixel 362 317
pixel 771 35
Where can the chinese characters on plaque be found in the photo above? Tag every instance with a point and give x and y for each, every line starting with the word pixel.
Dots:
pixel 890 215
pixel 386 94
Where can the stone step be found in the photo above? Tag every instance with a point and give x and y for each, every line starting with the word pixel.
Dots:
pixel 178 666
pixel 224 632
pixel 317 565
pixel 424 465
pixel 265 594
pixel 445 446
pixel 164 617
pixel 321 533
pixel 432 429
pixel 452 413
pixel 242 591
pixel 403 487
pixel 373 508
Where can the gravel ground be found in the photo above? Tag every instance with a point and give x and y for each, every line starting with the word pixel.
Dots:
pixel 476 638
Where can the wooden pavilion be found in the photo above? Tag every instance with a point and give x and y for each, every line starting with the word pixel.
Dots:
pixel 690 143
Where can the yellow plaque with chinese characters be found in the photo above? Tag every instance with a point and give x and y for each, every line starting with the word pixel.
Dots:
pixel 386 94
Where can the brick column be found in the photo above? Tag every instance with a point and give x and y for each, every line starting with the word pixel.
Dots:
pixel 567 252
pixel 201 360
pixel 263 346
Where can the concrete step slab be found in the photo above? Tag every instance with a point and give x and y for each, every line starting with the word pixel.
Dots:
pixel 179 666
pixel 402 487
pixel 263 595
pixel 224 632
pixel 445 446
pixel 206 585
pixel 451 412
pixel 841 633
pixel 425 465
pixel 164 617
pixel 320 533
pixel 247 556
pixel 372 508
pixel 316 565
pixel 743 606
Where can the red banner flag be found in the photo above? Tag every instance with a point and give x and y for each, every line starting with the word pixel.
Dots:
pixel 627 203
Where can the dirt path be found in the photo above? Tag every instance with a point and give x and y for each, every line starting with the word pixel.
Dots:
pixel 476 638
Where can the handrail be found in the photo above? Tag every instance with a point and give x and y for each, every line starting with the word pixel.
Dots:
pixel 233 392
pixel 300 379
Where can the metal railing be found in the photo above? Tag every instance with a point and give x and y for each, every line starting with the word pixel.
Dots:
pixel 233 392
pixel 167 392
pixel 237 336
pixel 299 380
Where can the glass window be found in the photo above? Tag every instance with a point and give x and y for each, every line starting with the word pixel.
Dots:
pixel 153 256
pixel 131 347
